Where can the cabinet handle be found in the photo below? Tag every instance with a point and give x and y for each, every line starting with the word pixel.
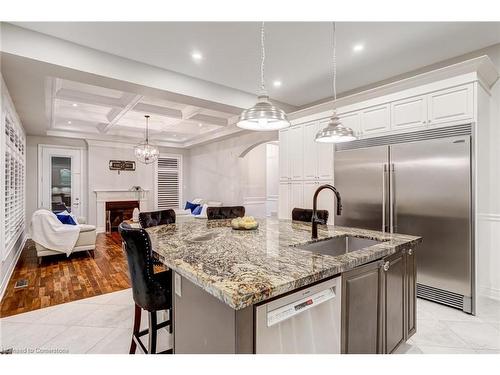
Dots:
pixel 410 251
pixel 386 266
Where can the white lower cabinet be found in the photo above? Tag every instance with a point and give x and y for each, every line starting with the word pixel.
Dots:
pixel 284 157
pixel 300 194
pixel 291 196
pixel 326 199
pixel 284 201
pixel 296 195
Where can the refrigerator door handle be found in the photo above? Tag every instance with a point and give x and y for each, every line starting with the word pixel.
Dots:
pixel 384 181
pixel 392 199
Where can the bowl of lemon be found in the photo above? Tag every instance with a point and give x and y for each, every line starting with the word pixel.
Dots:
pixel 244 223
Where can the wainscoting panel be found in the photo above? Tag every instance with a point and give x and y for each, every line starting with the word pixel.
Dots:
pixel 488 255
pixel 255 206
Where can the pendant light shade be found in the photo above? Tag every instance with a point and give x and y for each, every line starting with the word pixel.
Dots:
pixel 145 152
pixel 263 116
pixel 335 132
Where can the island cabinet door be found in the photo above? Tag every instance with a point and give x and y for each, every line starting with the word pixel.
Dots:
pixel 411 293
pixel 361 310
pixel 393 296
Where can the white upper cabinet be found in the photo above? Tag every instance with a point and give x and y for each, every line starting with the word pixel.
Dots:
pixel 325 158
pixel 376 119
pixel 310 151
pixel 409 113
pixel 352 120
pixel 317 157
pixel 284 136
pixel 453 104
pixel 295 146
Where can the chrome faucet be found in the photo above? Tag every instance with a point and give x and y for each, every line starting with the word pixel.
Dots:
pixel 315 220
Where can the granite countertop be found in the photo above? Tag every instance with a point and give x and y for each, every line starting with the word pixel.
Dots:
pixel 242 268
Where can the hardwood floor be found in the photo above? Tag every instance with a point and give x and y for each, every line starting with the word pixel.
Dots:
pixel 59 279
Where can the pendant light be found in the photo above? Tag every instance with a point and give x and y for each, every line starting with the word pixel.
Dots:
pixel 263 116
pixel 335 132
pixel 145 152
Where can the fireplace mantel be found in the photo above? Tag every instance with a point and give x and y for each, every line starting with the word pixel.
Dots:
pixel 113 195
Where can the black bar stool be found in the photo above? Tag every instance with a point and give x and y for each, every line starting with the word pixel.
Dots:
pixel 305 215
pixel 151 291
pixel 153 218
pixel 229 212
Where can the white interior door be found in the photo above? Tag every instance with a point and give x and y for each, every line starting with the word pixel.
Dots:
pixel 60 179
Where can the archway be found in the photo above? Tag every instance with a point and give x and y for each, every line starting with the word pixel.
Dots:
pixel 259 174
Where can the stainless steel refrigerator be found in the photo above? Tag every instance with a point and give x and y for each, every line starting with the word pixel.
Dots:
pixel 417 183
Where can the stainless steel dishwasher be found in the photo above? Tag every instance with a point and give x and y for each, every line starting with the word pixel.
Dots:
pixel 307 321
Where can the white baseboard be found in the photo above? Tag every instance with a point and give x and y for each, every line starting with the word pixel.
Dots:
pixel 8 274
pixel 489 292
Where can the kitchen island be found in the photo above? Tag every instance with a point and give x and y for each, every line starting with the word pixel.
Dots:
pixel 221 277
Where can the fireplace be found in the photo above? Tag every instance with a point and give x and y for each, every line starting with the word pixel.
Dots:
pixel 118 211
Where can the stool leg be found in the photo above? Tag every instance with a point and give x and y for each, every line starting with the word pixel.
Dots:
pixel 171 325
pixel 152 332
pixel 137 327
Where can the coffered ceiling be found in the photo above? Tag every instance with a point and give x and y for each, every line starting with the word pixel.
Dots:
pixel 92 111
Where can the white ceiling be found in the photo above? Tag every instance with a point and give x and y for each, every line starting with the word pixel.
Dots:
pixel 298 53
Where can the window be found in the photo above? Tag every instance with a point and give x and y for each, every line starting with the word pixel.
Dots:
pixel 13 148
pixel 168 184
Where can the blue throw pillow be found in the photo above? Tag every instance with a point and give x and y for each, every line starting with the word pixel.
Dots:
pixel 191 206
pixel 66 219
pixel 197 210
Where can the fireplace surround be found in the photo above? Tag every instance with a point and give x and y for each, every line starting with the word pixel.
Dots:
pixel 103 196
pixel 118 211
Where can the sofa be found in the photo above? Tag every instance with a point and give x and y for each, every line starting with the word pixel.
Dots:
pixel 86 241
pixel 202 202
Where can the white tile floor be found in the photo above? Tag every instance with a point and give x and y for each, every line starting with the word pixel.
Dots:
pixel 443 330
pixel 103 324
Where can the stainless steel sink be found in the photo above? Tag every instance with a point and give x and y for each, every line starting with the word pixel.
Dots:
pixel 339 245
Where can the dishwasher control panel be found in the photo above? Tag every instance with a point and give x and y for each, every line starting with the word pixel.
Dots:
pixel 285 312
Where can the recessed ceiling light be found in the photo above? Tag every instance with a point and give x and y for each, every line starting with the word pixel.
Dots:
pixel 75 105
pixel 200 124
pixel 277 83
pixel 358 47
pixel 69 122
pixel 197 56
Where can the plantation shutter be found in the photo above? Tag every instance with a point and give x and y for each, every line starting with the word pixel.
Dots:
pixel 13 184
pixel 168 182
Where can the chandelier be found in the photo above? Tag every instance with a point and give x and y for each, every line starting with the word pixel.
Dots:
pixel 145 152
